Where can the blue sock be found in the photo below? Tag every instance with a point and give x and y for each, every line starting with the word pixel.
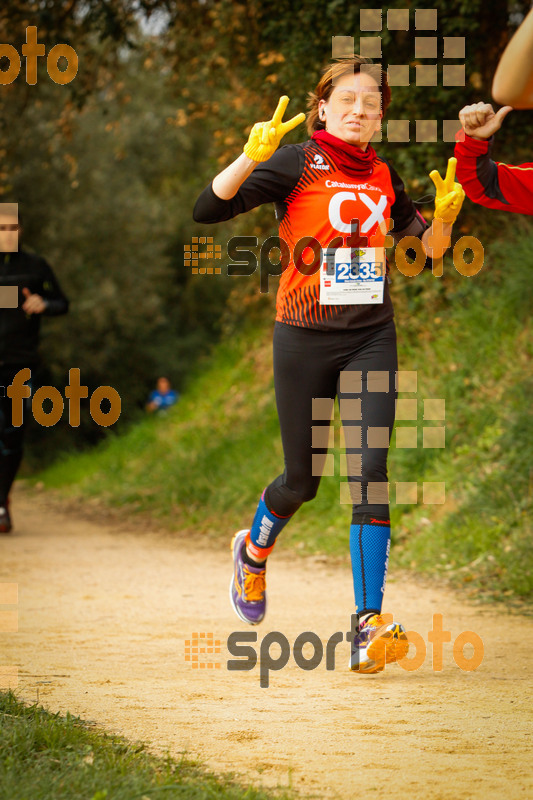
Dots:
pixel 266 525
pixel 369 549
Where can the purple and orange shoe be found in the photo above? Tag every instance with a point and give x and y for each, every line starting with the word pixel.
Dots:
pixel 377 643
pixel 247 590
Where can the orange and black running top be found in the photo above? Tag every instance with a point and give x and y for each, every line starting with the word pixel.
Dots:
pixel 315 200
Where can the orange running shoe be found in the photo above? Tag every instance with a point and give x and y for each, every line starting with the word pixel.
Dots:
pixel 378 643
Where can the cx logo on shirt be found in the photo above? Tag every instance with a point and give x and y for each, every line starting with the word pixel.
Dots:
pixel 375 217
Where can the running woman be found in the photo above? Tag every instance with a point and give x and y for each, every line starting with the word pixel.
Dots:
pixel 500 186
pixel 334 333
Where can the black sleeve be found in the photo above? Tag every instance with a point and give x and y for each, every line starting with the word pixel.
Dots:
pixel 56 302
pixel 270 182
pixel 487 175
pixel 407 221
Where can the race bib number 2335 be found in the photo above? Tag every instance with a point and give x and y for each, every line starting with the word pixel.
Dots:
pixel 352 276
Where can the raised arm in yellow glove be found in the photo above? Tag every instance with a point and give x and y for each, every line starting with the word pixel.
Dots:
pixel 265 136
pixel 450 195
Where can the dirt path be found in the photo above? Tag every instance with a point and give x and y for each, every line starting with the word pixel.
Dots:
pixel 103 618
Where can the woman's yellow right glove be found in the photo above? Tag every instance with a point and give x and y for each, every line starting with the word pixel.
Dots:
pixel 265 136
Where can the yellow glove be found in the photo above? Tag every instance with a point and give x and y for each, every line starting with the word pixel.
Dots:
pixel 266 136
pixel 450 195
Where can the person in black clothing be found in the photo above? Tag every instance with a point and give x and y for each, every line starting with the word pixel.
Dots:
pixel 28 290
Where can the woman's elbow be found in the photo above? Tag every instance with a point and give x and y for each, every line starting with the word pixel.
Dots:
pixel 198 216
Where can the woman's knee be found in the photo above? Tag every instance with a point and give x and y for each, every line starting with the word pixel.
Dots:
pixel 285 500
pixel 374 466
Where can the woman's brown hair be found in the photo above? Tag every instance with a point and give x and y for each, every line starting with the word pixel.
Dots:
pixel 331 74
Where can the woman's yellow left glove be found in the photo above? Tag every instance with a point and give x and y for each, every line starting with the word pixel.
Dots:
pixel 450 195
pixel 265 136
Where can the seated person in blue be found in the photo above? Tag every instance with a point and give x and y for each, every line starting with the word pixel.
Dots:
pixel 162 397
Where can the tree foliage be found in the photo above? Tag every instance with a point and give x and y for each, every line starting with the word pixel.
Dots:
pixel 107 168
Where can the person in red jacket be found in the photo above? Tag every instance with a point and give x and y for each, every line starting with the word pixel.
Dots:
pixel 490 183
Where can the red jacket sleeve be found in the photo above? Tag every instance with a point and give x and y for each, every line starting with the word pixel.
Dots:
pixel 491 184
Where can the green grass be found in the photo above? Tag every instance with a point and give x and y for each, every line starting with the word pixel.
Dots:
pixel 202 467
pixel 46 756
pixel 479 359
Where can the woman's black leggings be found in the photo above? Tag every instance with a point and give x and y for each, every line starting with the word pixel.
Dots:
pixel 311 368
